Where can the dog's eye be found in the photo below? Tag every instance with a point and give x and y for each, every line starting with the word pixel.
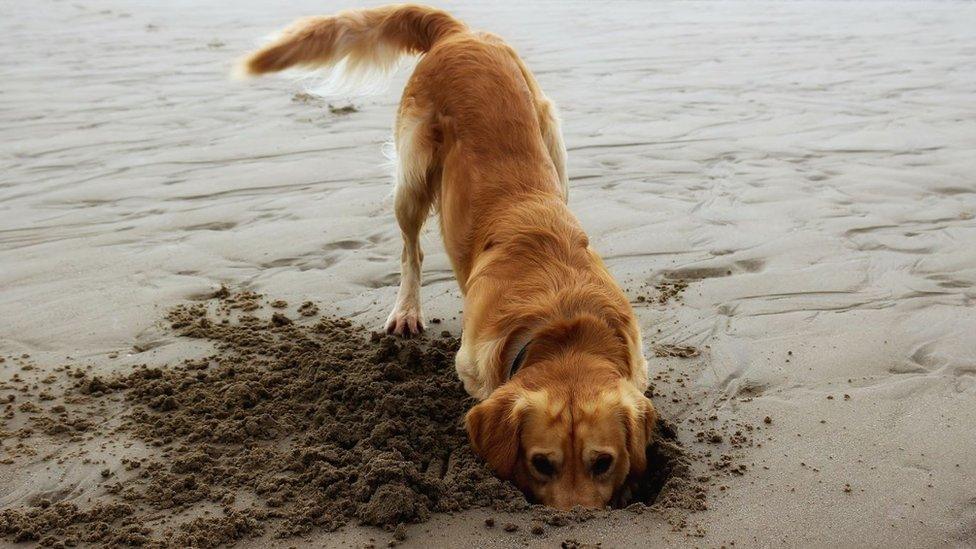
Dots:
pixel 543 466
pixel 601 464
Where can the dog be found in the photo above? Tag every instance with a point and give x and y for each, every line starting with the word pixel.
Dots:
pixel 550 345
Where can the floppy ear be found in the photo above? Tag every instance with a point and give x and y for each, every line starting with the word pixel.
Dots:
pixel 641 422
pixel 494 427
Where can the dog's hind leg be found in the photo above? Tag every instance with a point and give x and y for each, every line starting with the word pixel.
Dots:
pixel 413 197
pixel 552 135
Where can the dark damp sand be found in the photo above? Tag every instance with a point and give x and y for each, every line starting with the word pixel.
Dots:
pixel 288 429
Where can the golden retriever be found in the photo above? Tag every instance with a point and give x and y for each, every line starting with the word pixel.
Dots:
pixel 550 344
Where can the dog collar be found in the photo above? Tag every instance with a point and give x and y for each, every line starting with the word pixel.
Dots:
pixel 519 359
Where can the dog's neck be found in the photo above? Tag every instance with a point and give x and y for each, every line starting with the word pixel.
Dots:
pixel 583 333
pixel 519 359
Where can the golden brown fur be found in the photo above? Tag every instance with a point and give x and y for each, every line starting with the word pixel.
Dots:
pixel 478 141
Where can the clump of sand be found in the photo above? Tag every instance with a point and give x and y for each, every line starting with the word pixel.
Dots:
pixel 297 425
pixel 662 350
pixel 667 291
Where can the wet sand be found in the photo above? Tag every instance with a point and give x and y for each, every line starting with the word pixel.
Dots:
pixel 807 169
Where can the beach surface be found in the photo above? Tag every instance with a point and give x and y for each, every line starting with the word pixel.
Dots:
pixel 807 168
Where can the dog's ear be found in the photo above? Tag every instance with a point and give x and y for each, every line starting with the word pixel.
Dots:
pixel 641 422
pixel 494 427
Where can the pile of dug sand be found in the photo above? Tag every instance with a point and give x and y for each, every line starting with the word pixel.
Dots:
pixel 293 424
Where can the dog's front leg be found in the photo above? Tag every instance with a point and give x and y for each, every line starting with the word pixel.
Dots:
pixel 406 319
pixel 412 206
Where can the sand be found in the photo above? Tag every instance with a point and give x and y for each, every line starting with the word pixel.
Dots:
pixel 805 168
pixel 288 428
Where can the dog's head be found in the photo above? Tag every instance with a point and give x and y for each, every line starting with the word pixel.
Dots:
pixel 565 440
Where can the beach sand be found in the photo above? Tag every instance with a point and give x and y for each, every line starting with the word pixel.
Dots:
pixel 807 169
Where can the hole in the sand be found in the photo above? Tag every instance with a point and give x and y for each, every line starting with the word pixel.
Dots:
pixel 667 474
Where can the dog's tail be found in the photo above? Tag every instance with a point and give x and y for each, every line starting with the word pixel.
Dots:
pixel 364 40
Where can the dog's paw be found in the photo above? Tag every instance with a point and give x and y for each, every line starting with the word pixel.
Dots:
pixel 405 322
